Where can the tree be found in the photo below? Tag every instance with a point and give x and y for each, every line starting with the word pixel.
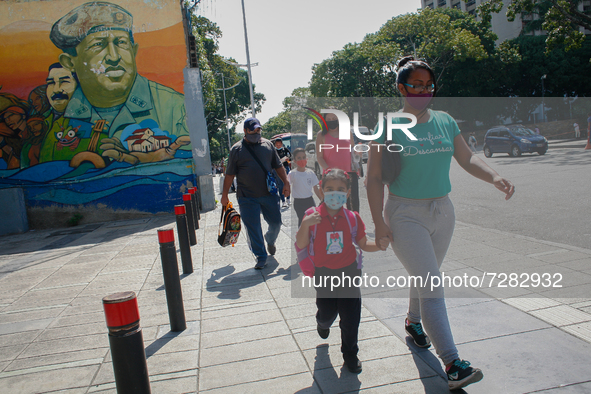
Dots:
pixel 561 18
pixel 281 123
pixel 441 37
pixel 212 67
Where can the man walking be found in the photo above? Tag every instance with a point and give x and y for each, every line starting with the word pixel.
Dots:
pixel 250 160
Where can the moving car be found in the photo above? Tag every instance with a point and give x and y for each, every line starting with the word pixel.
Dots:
pixel 514 140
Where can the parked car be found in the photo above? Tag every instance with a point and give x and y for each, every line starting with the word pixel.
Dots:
pixel 514 140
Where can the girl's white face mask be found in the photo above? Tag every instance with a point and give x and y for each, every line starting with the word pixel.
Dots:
pixel 335 199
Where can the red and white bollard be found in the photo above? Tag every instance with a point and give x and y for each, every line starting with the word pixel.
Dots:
pixel 127 343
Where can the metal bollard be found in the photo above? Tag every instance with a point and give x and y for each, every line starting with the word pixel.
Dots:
pixel 183 232
pixel 172 282
pixel 196 214
pixel 190 223
pixel 126 343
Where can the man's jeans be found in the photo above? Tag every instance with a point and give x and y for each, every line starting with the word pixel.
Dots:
pixel 250 212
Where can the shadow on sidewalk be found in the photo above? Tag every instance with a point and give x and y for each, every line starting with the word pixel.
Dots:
pixel 422 357
pixel 327 378
pixel 230 283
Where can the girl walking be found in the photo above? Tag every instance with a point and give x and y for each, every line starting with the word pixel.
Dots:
pixel 330 232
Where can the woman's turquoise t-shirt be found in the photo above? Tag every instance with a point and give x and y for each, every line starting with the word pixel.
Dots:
pixel 425 162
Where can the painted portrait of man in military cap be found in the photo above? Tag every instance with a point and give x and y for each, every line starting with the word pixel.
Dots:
pixel 98 47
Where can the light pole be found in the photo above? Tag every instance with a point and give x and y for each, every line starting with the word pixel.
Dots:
pixel 248 63
pixel 542 79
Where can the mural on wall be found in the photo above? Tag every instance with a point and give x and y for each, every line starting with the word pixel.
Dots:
pixel 91 105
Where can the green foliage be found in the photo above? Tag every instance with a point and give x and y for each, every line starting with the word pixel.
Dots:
pixel 212 67
pixel 75 220
pixel 441 37
pixel 281 123
pixel 561 19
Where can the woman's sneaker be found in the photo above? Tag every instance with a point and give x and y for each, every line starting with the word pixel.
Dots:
pixel 415 330
pixel 460 374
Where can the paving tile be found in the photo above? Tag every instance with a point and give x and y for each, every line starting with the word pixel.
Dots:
pixel 69 357
pixel 175 385
pixel 528 304
pixel 24 325
pixel 251 370
pixel 435 384
pixel 227 322
pixel 237 309
pixel 310 339
pixel 369 349
pixel 242 334
pixel 247 350
pixel 578 265
pixel 66 345
pixel 49 380
pixel 66 321
pixel 171 344
pixel 562 256
pixel 301 383
pixel 535 352
pixel 580 330
pixel 173 362
pixel 561 315
pixel 375 373
pixel 9 353
pixel 18 338
pixel 570 389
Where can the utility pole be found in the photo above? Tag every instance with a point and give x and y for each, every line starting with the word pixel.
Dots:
pixel 248 62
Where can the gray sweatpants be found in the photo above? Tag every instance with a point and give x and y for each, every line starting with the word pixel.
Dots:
pixel 422 231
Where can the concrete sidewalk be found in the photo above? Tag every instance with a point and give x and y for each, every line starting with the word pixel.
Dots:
pixel 247 334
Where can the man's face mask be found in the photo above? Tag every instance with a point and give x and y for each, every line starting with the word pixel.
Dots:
pixel 253 138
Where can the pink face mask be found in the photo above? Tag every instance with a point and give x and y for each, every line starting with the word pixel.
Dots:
pixel 301 163
pixel 419 101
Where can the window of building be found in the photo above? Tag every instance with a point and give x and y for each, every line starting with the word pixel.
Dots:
pixel 442 3
pixel 457 5
pixel 470 3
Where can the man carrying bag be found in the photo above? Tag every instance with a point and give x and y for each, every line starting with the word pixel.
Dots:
pixel 251 161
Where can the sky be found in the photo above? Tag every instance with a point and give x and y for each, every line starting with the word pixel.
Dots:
pixel 287 38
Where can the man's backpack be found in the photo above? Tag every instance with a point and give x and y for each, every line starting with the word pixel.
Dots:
pixel 306 255
pixel 229 228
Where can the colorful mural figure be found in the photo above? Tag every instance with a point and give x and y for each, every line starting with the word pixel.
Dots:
pixel 95 115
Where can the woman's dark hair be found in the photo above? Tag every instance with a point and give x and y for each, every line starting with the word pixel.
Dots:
pixel 298 150
pixel 407 65
pixel 335 174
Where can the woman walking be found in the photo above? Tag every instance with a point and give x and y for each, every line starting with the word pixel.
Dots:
pixel 419 217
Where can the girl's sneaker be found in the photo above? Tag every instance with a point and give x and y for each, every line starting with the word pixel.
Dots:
pixel 460 374
pixel 415 330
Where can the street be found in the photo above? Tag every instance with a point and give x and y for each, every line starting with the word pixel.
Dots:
pixel 550 202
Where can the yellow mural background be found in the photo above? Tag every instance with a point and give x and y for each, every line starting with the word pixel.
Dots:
pixel 26 50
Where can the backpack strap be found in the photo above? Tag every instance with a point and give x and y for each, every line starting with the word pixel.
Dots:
pixel 310 211
pixel 351 217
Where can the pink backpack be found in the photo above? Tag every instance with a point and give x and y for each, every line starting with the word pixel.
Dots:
pixel 306 255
